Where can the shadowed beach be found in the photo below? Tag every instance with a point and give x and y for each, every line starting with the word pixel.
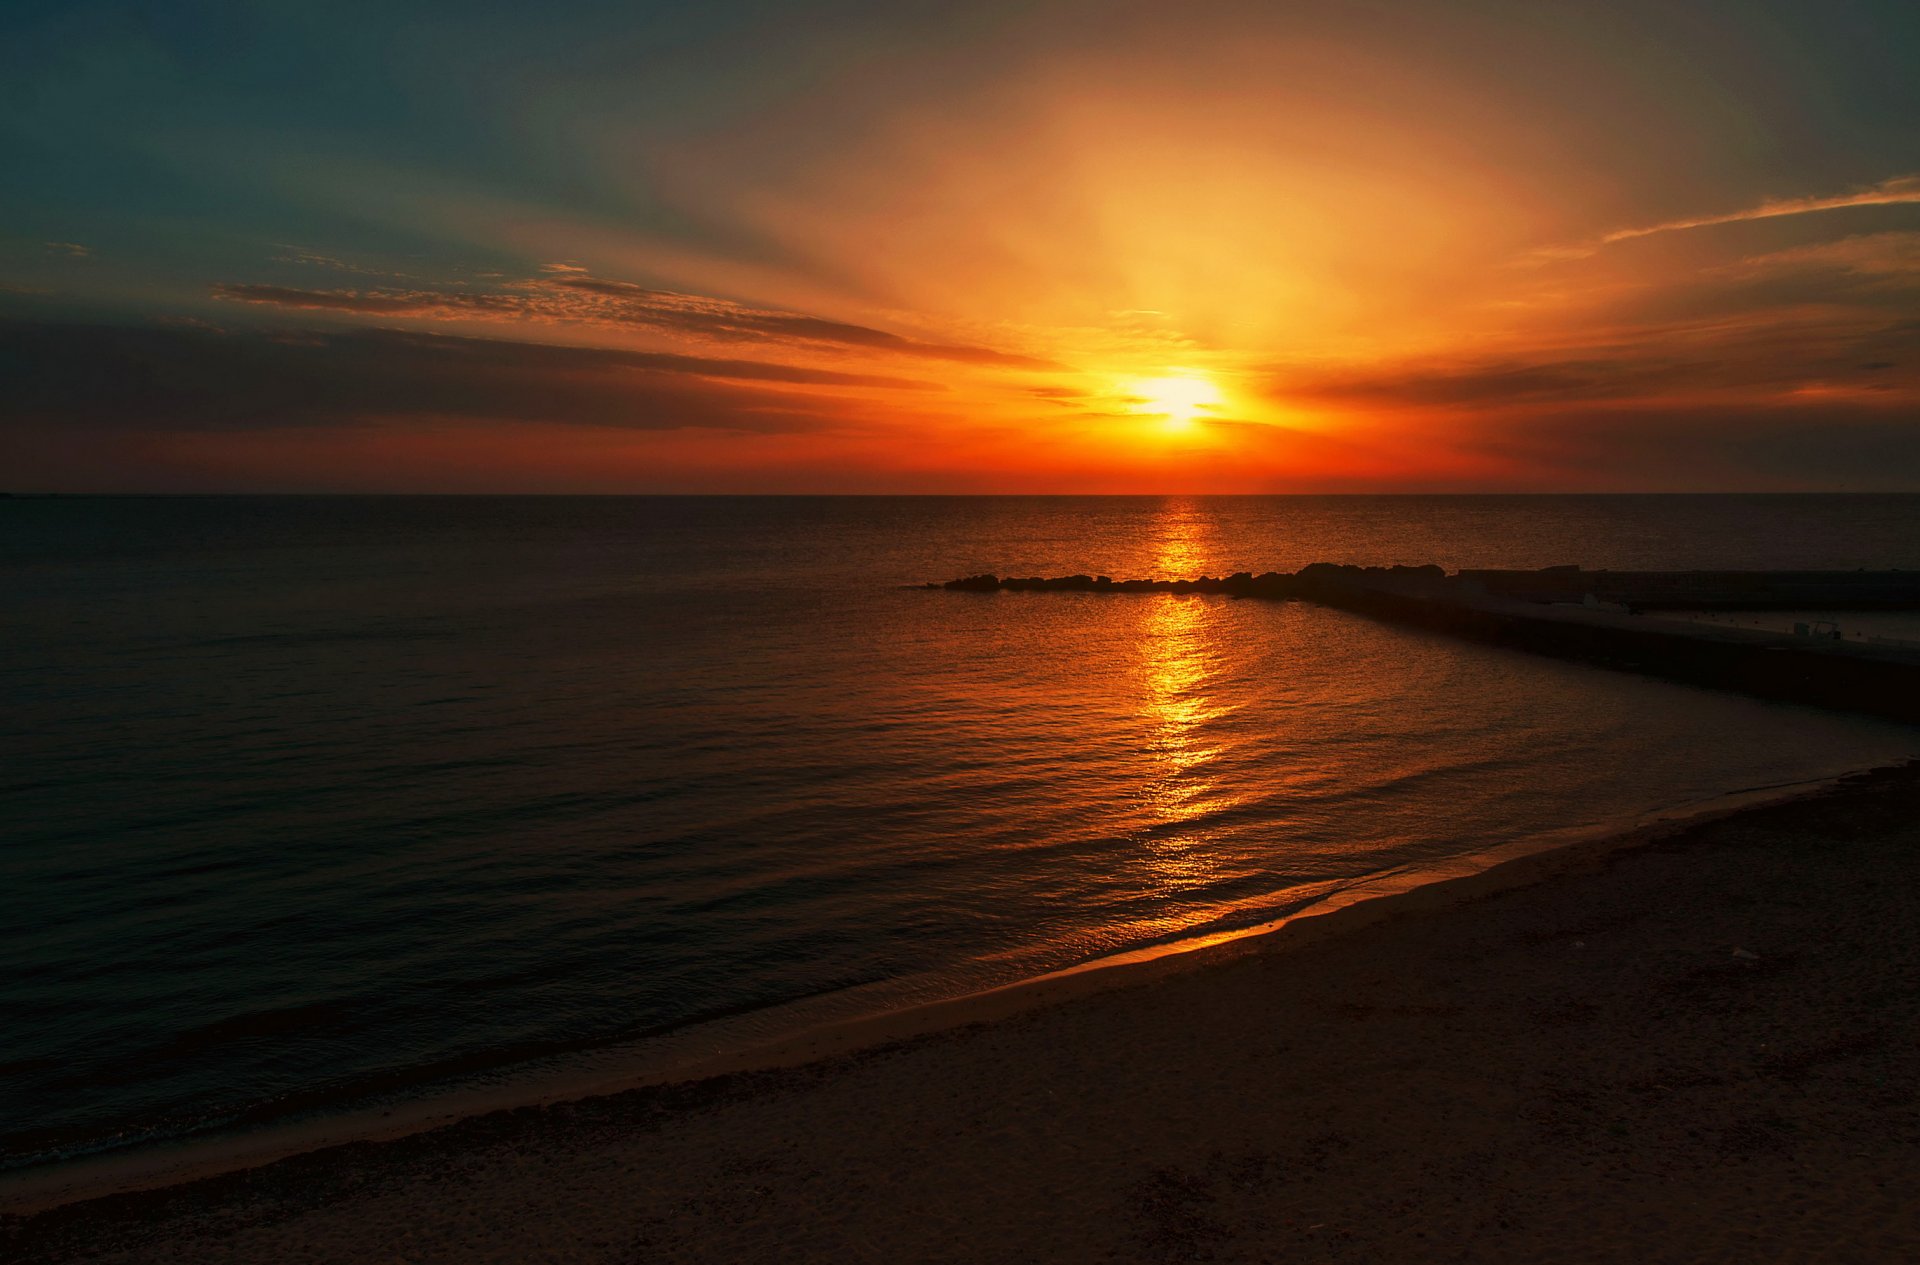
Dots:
pixel 1699 1041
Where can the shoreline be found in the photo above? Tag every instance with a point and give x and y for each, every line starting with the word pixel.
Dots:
pixel 1445 883
pixel 1704 1047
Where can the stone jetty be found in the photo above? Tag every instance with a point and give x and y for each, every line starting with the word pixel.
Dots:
pixel 1599 617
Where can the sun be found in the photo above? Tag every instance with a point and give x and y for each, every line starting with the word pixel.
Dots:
pixel 1179 398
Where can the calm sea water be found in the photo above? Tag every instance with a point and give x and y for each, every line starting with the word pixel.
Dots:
pixel 311 799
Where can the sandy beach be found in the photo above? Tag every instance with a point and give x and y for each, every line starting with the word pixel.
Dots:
pixel 1696 1043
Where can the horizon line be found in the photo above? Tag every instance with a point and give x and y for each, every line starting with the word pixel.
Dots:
pixel 927 496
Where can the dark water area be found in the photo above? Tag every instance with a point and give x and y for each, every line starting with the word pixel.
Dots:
pixel 307 799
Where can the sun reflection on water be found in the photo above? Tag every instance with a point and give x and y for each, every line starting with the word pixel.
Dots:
pixel 1184 531
pixel 1176 657
pixel 1180 704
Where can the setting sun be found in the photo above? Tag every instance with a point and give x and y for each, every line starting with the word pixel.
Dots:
pixel 1226 247
pixel 1179 398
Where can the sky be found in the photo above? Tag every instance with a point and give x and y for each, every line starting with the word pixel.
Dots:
pixel 1218 246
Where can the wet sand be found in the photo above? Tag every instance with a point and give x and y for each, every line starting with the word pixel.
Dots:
pixel 1695 1043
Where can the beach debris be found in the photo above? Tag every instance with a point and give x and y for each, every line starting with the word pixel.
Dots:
pixel 1741 955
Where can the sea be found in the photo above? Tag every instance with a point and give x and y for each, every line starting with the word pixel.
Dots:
pixel 313 802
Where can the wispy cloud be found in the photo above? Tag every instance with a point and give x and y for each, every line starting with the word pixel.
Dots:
pixel 1871 255
pixel 1763 361
pixel 568 294
pixel 636 304
pixel 1899 190
pixel 372 303
pixel 199 379
pixel 74 249
pixel 314 259
pixel 1479 384
pixel 1792 443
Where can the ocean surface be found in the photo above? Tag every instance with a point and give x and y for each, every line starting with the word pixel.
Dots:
pixel 313 800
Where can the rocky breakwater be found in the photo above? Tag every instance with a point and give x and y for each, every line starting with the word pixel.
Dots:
pixel 1884 681
pixel 1268 584
pixel 1240 584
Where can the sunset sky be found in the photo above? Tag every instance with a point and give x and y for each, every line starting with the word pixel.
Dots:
pixel 1560 245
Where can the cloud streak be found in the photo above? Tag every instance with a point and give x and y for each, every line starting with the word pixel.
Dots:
pixel 1761 364
pixel 570 295
pixel 144 378
pixel 1895 191
pixel 1789 445
pixel 1480 384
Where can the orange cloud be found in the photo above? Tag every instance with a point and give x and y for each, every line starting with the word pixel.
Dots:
pixel 575 297
pixel 1895 191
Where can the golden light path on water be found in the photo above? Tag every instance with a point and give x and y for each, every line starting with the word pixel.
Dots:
pixel 1179 665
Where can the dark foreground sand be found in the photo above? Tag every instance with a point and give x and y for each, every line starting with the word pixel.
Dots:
pixel 1580 1069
